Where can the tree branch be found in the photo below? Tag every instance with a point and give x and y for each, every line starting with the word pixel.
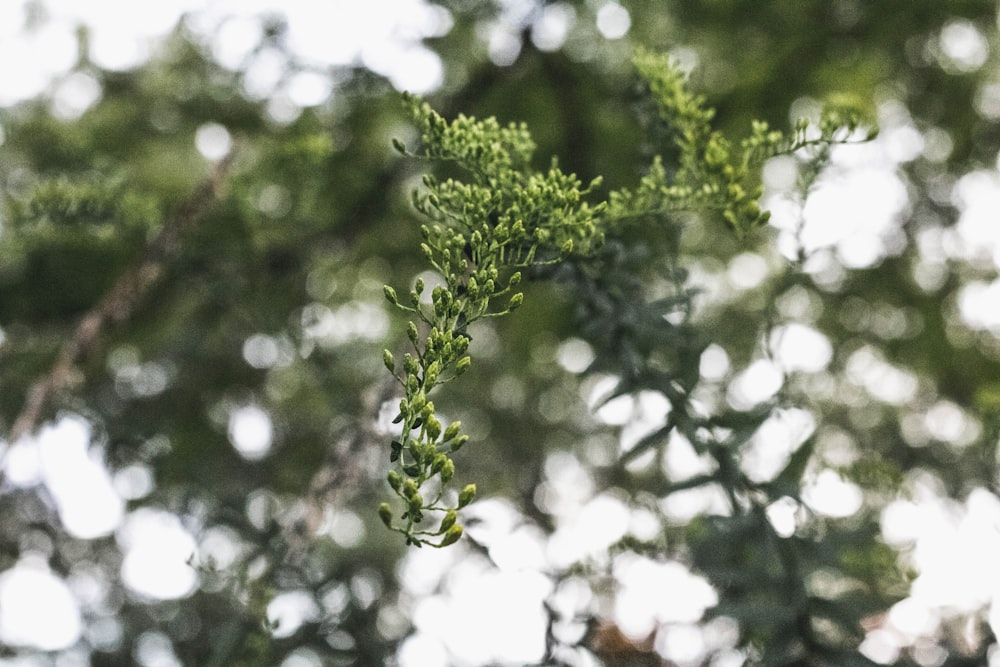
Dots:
pixel 120 301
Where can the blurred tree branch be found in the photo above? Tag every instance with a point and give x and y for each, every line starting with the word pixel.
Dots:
pixel 121 299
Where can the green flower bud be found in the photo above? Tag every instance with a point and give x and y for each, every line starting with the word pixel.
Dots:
pixel 390 294
pixel 412 333
pixel 438 464
pixel 385 513
pixel 410 365
pixel 448 521
pixel 451 536
pixel 418 286
pixel 515 279
pixel 431 374
pixel 467 495
pixel 515 301
pixel 462 365
pixel 447 471
pixel 567 248
pixel 433 428
pixel 389 361
pixel 452 431
pixel 459 441
pixel 416 502
pixel 409 488
pixel 395 481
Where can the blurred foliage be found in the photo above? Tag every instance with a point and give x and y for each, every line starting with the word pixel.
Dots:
pixel 272 298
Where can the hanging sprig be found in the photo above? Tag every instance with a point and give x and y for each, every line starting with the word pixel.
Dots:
pixel 482 233
pixel 482 230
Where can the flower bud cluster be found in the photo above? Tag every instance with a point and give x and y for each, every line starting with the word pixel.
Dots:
pixel 481 233
pixel 712 174
pixel 502 217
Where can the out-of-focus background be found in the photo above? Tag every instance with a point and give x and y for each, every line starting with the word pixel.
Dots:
pixel 199 489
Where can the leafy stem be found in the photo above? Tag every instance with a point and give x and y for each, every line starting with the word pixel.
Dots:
pixel 482 232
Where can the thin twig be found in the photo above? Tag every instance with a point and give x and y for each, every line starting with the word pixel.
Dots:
pixel 120 301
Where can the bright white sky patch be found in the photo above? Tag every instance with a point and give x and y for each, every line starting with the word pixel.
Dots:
pixel 40 55
pixel 949 423
pixel 421 650
pixel 235 39
pixel 832 495
pixel 344 526
pixel 755 384
pixel 963 48
pixel 680 507
pixel 714 363
pixel 575 355
pixel 798 347
pixel 385 35
pixel 550 31
pixel 782 515
pixel 351 321
pixel 74 95
pixel 289 610
pixel 954 547
pixel 613 20
pixel 653 592
pixel 157 550
pixel 212 141
pixel 852 211
pixel 264 351
pixel 37 609
pixel 309 89
pixel 567 485
pixel 251 432
pixel 747 270
pixel 977 195
pixel 681 461
pixel 979 305
pixel 600 523
pixel 87 502
pixel 768 451
pixel 866 368
pixel 487 616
